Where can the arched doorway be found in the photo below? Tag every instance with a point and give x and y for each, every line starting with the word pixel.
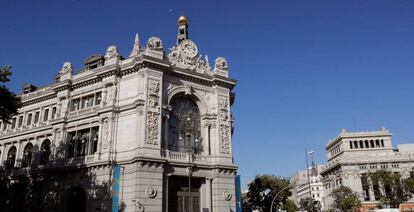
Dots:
pixel 75 199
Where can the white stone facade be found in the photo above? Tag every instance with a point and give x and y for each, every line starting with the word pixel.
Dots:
pixel 301 187
pixel 352 155
pixel 118 111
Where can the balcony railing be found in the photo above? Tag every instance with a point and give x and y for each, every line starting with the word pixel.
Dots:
pixel 183 156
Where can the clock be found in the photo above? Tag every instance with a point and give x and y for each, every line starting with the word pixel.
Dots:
pixel 188 48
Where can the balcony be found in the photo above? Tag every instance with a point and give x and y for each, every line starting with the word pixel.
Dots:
pixel 184 157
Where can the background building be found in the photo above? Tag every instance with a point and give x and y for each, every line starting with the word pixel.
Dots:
pixel 352 155
pixel 303 190
pixel 163 117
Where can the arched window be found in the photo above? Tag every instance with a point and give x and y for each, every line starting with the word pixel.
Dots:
pixel 11 157
pixel 184 126
pixel 45 152
pixel 27 155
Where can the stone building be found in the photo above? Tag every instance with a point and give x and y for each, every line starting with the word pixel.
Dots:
pixel 163 116
pixel 303 190
pixel 353 155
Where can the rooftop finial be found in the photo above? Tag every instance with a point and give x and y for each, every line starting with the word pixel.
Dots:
pixel 136 49
pixel 182 28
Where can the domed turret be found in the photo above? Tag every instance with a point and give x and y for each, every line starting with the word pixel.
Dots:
pixel 182 28
pixel 183 20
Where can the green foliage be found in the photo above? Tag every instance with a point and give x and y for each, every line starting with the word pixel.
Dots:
pixel 257 199
pixel 9 102
pixel 344 199
pixel 308 204
pixel 393 191
pixel 290 206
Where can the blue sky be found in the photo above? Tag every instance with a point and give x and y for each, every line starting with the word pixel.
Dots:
pixel 306 69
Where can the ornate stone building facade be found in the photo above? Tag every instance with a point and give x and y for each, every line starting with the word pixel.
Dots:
pixel 163 116
pixel 353 155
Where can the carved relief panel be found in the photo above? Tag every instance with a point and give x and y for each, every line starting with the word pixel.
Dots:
pixel 153 112
pixel 225 125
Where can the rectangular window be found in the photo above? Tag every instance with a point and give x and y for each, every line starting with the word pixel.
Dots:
pixel 36 119
pixel 4 126
pixel 98 98
pixel 29 119
pixel 20 121
pixel 53 112
pixel 382 143
pixel 356 144
pixel 377 143
pixel 361 144
pixel 13 123
pixel 350 144
pixel 372 143
pixel 75 105
pixel 46 115
pixel 366 144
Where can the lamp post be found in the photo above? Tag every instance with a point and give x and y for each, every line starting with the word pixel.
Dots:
pixel 277 194
pixel 307 171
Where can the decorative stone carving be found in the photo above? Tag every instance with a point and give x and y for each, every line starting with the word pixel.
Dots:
pixel 64 107
pixel 220 64
pixel 111 53
pixel 185 55
pixel 188 90
pixel 105 133
pixel 225 138
pixel 155 44
pixel 153 87
pixel 66 68
pixel 153 112
pixel 151 191
pixel 223 103
pixel 227 195
pixel 152 127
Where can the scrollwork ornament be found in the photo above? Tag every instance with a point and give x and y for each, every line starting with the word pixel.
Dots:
pixel 111 52
pixel 151 192
pixel 227 195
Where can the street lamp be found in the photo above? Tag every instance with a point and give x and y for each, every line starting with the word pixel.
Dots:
pixel 283 189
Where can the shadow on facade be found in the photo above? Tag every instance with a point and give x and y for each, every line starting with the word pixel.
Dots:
pixel 61 184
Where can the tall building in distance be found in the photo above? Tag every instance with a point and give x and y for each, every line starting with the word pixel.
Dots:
pixel 161 118
pixel 353 155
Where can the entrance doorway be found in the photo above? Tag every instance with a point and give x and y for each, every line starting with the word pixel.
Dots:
pixel 179 195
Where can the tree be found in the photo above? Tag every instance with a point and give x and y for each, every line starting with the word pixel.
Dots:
pixel 393 192
pixel 9 102
pixel 258 199
pixel 308 204
pixel 344 199
pixel 408 183
pixel 290 206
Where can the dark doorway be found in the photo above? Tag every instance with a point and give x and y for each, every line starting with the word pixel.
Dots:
pixel 75 199
pixel 178 194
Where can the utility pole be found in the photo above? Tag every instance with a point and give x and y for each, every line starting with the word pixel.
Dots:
pixel 307 171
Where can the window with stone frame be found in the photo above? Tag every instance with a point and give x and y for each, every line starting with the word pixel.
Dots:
pixel 20 121
pixel 185 126
pixel 29 119
pixel 11 157
pixel 82 142
pixel 27 155
pixel 54 112
pixel 37 116
pixel 46 114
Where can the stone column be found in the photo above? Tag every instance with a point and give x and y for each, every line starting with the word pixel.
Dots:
pixel 3 152
pixel 208 193
pixel 18 155
pixel 166 130
pixel 207 138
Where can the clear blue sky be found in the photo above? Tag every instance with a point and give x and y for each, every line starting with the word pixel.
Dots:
pixel 306 69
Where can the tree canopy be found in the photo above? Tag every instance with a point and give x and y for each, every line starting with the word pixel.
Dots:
pixel 9 102
pixel 258 199
pixel 344 199
pixel 392 192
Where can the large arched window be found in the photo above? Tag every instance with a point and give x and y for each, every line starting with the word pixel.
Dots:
pixel 11 157
pixel 184 126
pixel 45 152
pixel 27 155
